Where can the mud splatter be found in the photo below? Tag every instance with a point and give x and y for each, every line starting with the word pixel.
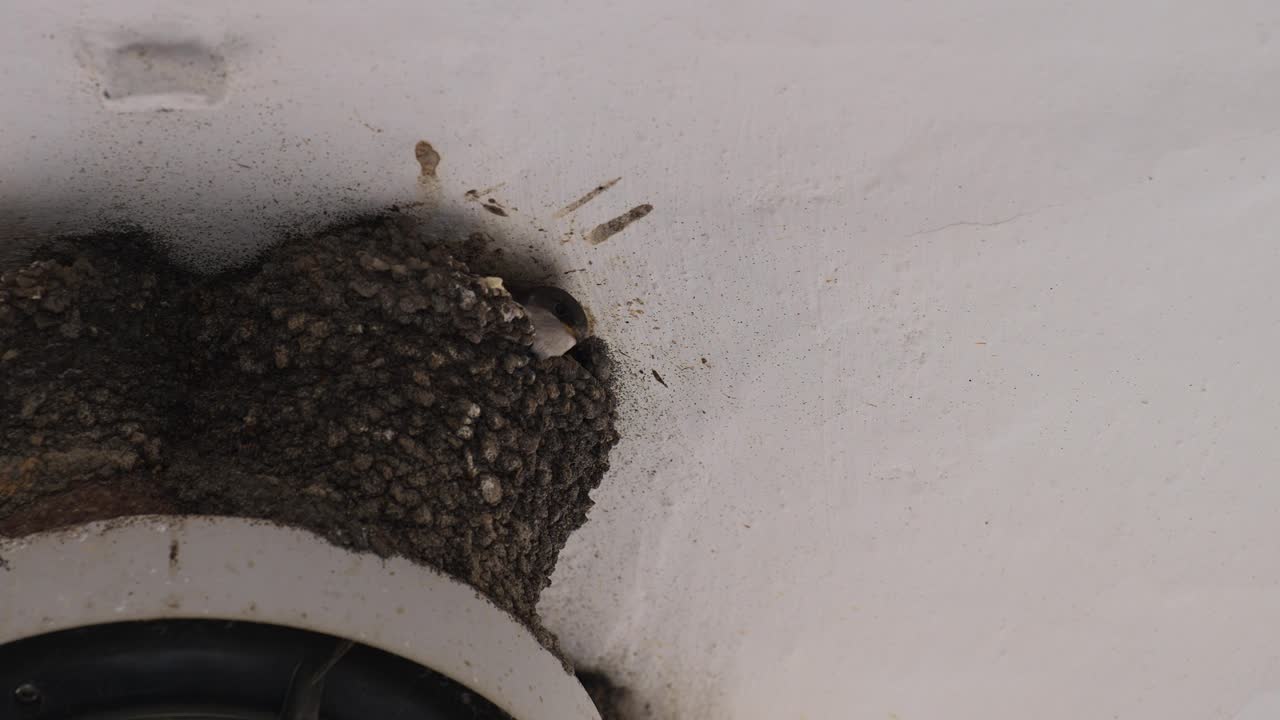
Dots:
pixel 428 159
pixel 606 230
pixel 585 198
pixel 478 195
pixel 608 697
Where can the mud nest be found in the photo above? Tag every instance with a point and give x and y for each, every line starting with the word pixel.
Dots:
pixel 364 384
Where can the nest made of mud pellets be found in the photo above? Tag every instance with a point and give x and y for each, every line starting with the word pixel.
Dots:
pixel 363 384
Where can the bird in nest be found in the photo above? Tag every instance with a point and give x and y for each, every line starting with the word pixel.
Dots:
pixel 559 320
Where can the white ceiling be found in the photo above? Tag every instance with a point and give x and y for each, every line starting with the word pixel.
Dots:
pixel 987 293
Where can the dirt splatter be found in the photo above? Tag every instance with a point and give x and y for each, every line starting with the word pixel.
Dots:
pixel 478 195
pixel 363 384
pixel 490 205
pixel 368 126
pixel 605 695
pixel 606 230
pixel 571 207
pixel 658 377
pixel 428 159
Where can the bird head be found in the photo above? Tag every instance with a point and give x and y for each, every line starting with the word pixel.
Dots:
pixel 561 304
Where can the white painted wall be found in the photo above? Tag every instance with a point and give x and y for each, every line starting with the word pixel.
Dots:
pixel 987 293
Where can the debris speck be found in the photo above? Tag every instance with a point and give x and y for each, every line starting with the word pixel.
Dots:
pixel 491 490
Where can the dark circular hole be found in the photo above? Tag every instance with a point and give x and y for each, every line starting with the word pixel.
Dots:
pixel 214 670
pixel 26 693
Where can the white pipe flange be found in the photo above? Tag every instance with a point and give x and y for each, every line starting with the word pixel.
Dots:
pixel 162 567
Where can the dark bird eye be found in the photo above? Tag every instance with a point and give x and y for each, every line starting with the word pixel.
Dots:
pixel 559 309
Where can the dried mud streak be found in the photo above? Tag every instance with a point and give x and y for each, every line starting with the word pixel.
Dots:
pixel 606 230
pixel 361 385
pixel 428 159
pixel 585 198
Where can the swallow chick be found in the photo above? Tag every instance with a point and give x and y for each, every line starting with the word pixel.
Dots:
pixel 559 321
